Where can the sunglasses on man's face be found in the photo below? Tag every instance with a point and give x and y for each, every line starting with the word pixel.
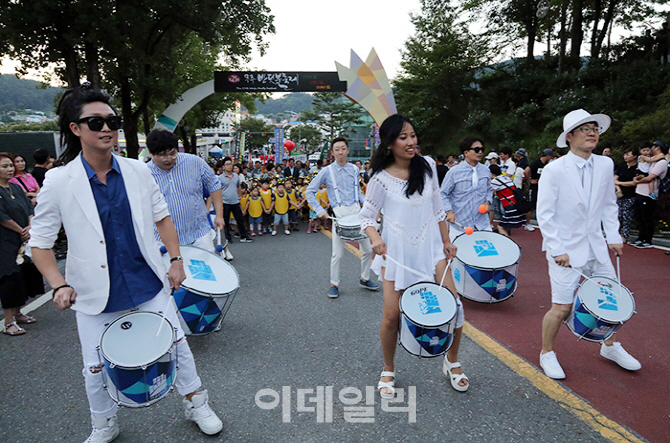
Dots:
pixel 477 150
pixel 114 122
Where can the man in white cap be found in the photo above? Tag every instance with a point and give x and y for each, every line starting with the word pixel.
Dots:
pixel 576 195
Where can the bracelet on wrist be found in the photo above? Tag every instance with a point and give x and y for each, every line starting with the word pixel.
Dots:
pixel 177 258
pixel 57 288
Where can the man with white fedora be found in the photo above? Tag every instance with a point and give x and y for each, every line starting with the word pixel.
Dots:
pixel 576 196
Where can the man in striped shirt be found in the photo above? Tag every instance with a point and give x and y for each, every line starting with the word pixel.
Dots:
pixel 182 179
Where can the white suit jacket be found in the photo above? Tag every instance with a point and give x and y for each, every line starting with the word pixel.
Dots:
pixel 569 223
pixel 67 198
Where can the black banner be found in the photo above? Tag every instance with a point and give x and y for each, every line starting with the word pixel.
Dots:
pixel 276 81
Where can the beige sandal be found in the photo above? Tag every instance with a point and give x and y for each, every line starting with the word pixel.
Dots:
pixel 19 329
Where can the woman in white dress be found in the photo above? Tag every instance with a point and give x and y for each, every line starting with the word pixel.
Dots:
pixel 405 186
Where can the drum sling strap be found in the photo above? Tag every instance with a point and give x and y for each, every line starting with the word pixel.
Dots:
pixel 338 209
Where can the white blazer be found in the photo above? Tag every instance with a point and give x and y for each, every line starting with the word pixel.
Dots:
pixel 67 198
pixel 570 224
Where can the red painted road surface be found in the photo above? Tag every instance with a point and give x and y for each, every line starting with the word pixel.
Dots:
pixel 639 400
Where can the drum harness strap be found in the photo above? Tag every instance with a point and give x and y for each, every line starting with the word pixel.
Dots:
pixel 338 200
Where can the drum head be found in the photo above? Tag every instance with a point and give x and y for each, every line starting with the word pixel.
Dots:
pixel 487 250
pixel 428 304
pixel 348 220
pixel 130 341
pixel 607 299
pixel 206 272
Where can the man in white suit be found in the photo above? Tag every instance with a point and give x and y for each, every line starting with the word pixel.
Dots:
pixel 108 206
pixel 576 195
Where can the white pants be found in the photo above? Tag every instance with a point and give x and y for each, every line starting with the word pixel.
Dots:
pixel 338 250
pixel 205 242
pixel 90 329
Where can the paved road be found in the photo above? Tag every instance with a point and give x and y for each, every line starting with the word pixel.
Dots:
pixel 283 333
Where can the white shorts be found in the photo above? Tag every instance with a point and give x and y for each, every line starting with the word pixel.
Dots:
pixel 564 281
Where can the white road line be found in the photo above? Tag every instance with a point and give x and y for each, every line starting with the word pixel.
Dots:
pixel 42 299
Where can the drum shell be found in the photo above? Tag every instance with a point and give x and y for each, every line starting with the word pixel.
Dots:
pixel 427 340
pixel 199 313
pixel 485 284
pixel 145 384
pixel 589 326
pixel 349 233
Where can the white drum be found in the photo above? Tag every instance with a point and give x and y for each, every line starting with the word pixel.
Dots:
pixel 349 227
pixel 206 295
pixel 427 319
pixel 486 266
pixel 601 306
pixel 139 363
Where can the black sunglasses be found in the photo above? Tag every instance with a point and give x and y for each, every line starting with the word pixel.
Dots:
pixel 114 122
pixel 477 150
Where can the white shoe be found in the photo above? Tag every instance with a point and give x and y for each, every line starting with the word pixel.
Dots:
pixel 550 365
pixel 618 354
pixel 104 430
pixel 198 410
pixel 287 232
pixel 274 232
pixel 529 228
pixel 228 255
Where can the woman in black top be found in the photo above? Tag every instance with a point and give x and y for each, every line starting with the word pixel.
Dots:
pixel 625 190
pixel 16 210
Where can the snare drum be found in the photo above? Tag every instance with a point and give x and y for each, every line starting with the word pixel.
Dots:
pixel 427 319
pixel 206 295
pixel 349 228
pixel 486 266
pixel 601 306
pixel 139 365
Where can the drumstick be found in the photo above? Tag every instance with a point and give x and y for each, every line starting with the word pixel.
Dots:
pixel 413 271
pixel 219 248
pixel 618 269
pixel 445 272
pixel 164 311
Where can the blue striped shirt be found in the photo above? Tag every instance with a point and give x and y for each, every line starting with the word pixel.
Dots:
pixel 183 187
pixel 459 196
pixel 347 184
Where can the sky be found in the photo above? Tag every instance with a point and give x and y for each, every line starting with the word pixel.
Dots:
pixel 311 35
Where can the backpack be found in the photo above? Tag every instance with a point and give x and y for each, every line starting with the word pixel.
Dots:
pixel 523 205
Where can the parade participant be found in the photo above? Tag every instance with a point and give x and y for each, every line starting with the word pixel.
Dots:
pixel 114 263
pixel 533 174
pixel 230 190
pixel 341 182
pixel 16 210
pixel 465 188
pixel 281 206
pixel 507 166
pixel 502 185
pixel 181 179
pixel 405 187
pixel 576 197
pixel 522 156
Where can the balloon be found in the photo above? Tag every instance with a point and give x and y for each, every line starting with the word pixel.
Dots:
pixel 469 230
pixel 482 208
pixel 289 145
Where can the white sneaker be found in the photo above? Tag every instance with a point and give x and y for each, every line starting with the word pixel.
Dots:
pixel 274 232
pixel 198 410
pixel 287 232
pixel 550 365
pixel 618 354
pixel 228 255
pixel 104 430
pixel 529 228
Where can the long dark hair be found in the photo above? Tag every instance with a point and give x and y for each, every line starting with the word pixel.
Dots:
pixel 389 132
pixel 69 110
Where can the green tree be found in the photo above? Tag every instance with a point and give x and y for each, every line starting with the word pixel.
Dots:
pixel 311 135
pixel 335 113
pixel 258 126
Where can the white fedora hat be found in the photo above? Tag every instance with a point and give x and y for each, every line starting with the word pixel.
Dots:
pixel 577 118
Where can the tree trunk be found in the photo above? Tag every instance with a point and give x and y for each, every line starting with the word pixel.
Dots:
pixel 576 34
pixel 194 144
pixel 530 46
pixel 92 65
pixel 129 121
pixel 597 11
pixel 184 139
pixel 71 67
pixel 146 121
pixel 607 24
pixel 563 35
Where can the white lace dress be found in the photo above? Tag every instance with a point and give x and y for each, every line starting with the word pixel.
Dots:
pixel 410 228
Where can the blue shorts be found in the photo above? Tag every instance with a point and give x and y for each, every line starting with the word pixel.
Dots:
pixel 283 218
pixel 256 219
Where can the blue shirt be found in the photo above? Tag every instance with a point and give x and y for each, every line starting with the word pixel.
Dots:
pixel 347 186
pixel 131 280
pixel 182 186
pixel 458 194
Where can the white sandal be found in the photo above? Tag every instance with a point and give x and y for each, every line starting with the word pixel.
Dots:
pixel 455 378
pixel 387 384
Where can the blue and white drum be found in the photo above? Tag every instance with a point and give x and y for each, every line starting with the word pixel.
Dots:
pixel 139 358
pixel 601 306
pixel 206 295
pixel 427 319
pixel 486 266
